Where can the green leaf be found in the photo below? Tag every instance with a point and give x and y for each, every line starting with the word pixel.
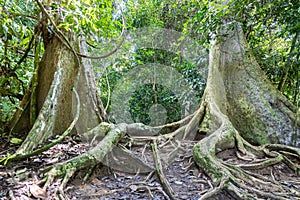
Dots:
pixel 21 171
pixel 15 141
pixel 6 159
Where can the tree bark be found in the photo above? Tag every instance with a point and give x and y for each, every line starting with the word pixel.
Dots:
pixel 58 72
pixel 242 92
pixel 91 108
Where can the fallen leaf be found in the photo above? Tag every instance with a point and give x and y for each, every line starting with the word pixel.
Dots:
pixel 133 188
pixel 178 182
pixel 96 181
pixel 37 192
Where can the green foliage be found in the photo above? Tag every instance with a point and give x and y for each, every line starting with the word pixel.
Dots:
pixel 16 32
pixel 144 13
pixel 7 109
pixel 147 96
pixel 189 71
pixel 96 20
pixel 107 81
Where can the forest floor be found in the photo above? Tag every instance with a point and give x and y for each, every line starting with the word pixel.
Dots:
pixel 20 180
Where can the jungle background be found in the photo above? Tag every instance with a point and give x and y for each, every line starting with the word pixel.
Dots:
pixel 271 29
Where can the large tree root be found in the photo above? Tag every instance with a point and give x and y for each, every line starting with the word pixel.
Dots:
pixel 86 160
pixel 21 156
pixel 237 177
pixel 104 139
pixel 160 173
pixel 107 137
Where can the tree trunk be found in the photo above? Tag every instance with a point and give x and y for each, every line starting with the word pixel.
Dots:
pixel 243 107
pixel 243 93
pixel 91 108
pixel 58 72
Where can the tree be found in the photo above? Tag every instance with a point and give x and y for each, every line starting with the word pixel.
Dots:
pixel 240 110
pixel 234 110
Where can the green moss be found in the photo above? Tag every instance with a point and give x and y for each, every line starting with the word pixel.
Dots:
pixel 248 110
pixel 247 123
pixel 205 162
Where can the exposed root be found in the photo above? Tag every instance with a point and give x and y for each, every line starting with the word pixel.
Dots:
pixel 262 164
pixel 188 129
pixel 235 175
pixel 65 170
pixel 11 195
pixel 142 185
pixel 48 146
pixel 160 173
pixel 215 190
pixel 88 173
pixel 192 127
pixel 239 179
pixel 86 160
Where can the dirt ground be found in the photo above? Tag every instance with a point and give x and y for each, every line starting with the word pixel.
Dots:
pixel 20 180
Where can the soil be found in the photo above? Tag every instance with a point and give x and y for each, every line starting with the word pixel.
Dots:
pixel 21 180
